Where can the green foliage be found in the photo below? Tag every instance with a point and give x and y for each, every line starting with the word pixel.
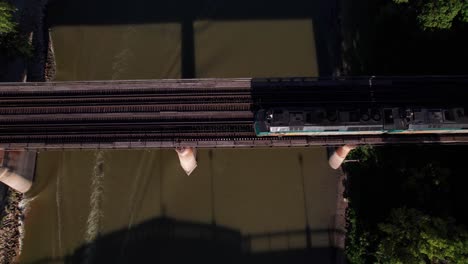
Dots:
pixel 364 154
pixel 12 43
pixel 413 237
pixel 6 19
pixel 464 12
pixel 357 240
pixel 437 14
pixel 426 178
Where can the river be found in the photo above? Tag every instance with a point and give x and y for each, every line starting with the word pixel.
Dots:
pixel 266 198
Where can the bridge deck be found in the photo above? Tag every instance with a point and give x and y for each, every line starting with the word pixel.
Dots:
pixel 201 112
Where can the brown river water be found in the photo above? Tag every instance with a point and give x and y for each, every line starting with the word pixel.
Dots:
pixel 267 197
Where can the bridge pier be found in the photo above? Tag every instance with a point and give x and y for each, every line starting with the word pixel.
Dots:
pixel 17 169
pixel 187 158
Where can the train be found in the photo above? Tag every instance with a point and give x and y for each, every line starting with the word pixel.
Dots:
pixel 323 121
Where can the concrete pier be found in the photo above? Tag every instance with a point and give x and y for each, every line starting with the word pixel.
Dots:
pixel 188 158
pixel 17 169
pixel 337 158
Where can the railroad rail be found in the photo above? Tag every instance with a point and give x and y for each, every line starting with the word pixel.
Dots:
pixel 200 112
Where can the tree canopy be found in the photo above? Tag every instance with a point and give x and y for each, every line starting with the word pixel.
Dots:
pixel 437 14
pixel 407 204
pixel 6 18
pixel 413 237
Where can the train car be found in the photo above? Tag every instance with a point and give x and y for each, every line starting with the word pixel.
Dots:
pixel 359 121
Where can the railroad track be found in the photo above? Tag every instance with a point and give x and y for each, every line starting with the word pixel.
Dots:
pixel 219 112
pixel 134 111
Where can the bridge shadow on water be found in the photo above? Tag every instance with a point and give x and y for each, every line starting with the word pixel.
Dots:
pixel 323 14
pixel 166 240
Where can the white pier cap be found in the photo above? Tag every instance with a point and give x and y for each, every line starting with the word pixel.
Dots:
pixel 337 158
pixel 17 169
pixel 188 158
pixel 14 180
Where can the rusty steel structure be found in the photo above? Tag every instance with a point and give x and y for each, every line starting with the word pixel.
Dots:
pixel 200 112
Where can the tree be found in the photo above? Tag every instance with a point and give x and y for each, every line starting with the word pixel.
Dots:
pixel 6 19
pixel 12 42
pixel 357 239
pixel 413 237
pixel 437 14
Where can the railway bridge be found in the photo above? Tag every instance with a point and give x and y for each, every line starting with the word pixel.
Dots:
pixel 202 112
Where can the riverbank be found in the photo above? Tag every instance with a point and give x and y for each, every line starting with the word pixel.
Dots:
pixel 383 38
pixel 10 227
pixel 39 67
pixel 430 184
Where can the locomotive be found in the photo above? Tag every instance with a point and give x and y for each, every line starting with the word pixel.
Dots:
pixel 284 121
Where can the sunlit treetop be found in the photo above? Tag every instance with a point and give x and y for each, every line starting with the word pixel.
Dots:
pixel 6 18
pixel 437 14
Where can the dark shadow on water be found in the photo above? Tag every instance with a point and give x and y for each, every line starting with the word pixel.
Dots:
pixel 323 14
pixel 106 12
pixel 166 240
